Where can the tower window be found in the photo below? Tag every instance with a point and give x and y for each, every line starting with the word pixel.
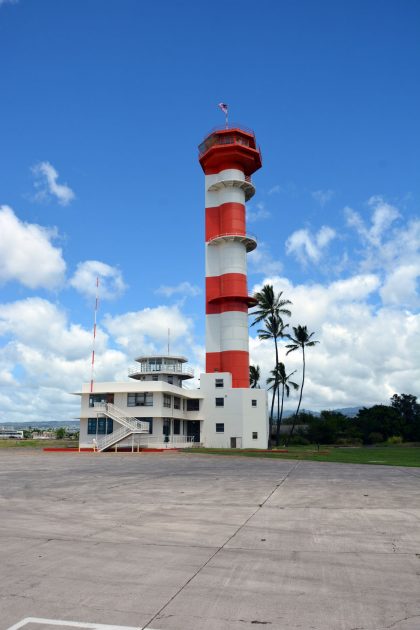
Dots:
pixel 255 435
pixel 220 402
pixel 220 427
pixel 167 400
pixel 219 382
pixel 254 402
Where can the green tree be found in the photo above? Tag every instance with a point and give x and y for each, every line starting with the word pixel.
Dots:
pixel 254 376
pixel 60 433
pixel 274 329
pixel 280 378
pixel 301 340
pixel 269 304
pixel 377 419
pixel 408 410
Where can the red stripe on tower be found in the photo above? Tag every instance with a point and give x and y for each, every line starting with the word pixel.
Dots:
pixel 228 158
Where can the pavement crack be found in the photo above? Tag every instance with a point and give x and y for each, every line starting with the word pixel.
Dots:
pixel 227 541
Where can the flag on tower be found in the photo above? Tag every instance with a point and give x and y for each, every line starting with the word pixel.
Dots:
pixel 223 107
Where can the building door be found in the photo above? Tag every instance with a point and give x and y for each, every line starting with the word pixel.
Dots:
pixel 194 430
pixel 233 442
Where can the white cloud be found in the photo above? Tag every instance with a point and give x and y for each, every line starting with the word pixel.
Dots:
pixel 323 196
pixel 47 186
pixel 183 288
pixel 2 2
pixel 306 246
pixel 147 330
pixel 367 352
pixel 27 254
pixel 383 216
pixel 401 286
pixel 260 260
pixel 275 189
pixel 111 283
pixel 258 214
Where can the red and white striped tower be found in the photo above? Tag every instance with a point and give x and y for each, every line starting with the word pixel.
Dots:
pixel 228 158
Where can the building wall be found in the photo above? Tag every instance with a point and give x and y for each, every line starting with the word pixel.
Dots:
pixel 238 415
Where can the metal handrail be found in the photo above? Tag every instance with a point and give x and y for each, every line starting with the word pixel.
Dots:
pixel 163 367
pixel 251 237
pixel 231 127
pixel 131 422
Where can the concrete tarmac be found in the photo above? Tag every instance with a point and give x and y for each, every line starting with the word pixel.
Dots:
pixel 193 542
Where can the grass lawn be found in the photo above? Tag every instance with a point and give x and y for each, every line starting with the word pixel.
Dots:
pixel 38 443
pixel 377 455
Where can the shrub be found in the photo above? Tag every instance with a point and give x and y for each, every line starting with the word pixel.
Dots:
pixel 299 440
pixel 375 437
pixel 394 439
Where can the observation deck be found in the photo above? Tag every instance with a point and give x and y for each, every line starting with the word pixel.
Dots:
pixel 162 364
pixel 235 145
pixel 249 240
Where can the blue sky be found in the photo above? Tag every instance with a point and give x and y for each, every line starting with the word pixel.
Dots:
pixel 103 106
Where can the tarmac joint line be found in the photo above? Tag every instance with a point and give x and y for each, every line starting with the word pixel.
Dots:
pixel 260 505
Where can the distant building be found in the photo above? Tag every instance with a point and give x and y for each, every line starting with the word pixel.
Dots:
pixel 153 408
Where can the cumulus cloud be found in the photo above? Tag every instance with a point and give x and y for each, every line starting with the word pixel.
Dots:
pixel 323 196
pixel 111 283
pixel 183 289
pixel 368 351
pixel 27 254
pixel 147 330
pixel 2 2
pixel 47 185
pixel 259 213
pixel 309 247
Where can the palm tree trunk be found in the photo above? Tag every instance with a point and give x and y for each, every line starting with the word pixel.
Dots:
pixel 300 398
pixel 270 428
pixel 280 419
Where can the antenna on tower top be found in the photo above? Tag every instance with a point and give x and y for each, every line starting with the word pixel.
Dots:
pixel 92 370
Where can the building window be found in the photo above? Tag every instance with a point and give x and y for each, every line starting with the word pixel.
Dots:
pixel 220 427
pixel 140 400
pixel 255 435
pixel 219 382
pixel 177 402
pixel 166 426
pixel 150 422
pixel 177 427
pixel 220 402
pixel 96 398
pixel 170 380
pixel 155 377
pixel 100 426
pixel 193 404
pixel 167 400
pixel 254 402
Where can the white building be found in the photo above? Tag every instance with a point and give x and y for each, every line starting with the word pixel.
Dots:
pixel 153 409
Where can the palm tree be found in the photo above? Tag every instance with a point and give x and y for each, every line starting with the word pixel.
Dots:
pixel 270 305
pixel 254 376
pixel 274 329
pixel 301 339
pixel 281 378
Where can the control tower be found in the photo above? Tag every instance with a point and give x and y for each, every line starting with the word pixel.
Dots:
pixel 228 158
